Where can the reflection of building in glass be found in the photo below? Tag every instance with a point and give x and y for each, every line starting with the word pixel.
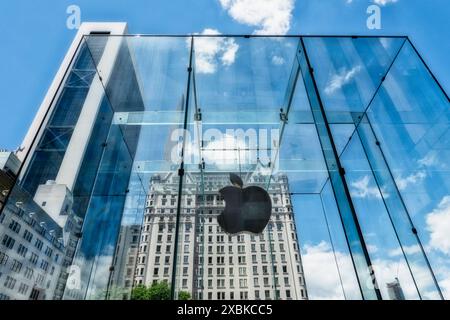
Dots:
pixel 35 249
pixel 9 166
pixel 124 263
pixel 213 264
pixel 395 290
pixel 31 254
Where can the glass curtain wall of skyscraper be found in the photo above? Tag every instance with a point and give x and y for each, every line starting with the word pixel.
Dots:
pixel 123 186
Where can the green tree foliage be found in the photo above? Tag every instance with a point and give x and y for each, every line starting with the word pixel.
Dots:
pixel 184 295
pixel 139 293
pixel 157 291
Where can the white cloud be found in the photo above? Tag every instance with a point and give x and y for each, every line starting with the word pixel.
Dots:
pixel 372 248
pixel 322 278
pixel 386 270
pixel 414 178
pixel 362 189
pixel 384 2
pixel 210 51
pixel 321 273
pixel 431 160
pixel 277 60
pixel 340 79
pixel 438 224
pixel 268 16
pixel 224 151
pixel 409 250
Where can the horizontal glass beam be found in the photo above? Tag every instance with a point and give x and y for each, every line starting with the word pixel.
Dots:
pixel 253 117
pixel 288 165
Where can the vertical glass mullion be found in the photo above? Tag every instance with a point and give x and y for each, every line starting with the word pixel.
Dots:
pixel 181 176
pixel 355 240
pixel 286 107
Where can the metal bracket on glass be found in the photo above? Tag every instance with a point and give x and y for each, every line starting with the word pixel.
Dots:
pixel 198 115
pixel 283 116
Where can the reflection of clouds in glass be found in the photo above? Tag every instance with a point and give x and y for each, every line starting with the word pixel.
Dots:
pixel 438 224
pixel 431 160
pixel 271 17
pixel 443 274
pixel 323 282
pixel 221 150
pixel 340 79
pixel 321 274
pixel 209 51
pixel 95 273
pixel 386 43
pixel 232 150
pixel 97 288
pixel 408 250
pixel 227 150
pixel 384 2
pixel 372 248
pixel 363 189
pixel 412 179
pixel 386 270
pixel 277 60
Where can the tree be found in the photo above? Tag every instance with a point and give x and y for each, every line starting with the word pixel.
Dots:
pixel 184 295
pixel 159 291
pixel 139 293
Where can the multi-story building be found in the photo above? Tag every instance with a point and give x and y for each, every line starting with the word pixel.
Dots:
pixel 395 290
pixel 32 247
pixel 212 263
pixel 35 249
pixel 31 252
pixel 124 263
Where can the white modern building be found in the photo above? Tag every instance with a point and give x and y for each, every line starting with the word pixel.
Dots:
pixel 45 208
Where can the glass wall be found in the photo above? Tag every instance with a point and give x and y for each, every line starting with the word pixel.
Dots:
pixel 216 167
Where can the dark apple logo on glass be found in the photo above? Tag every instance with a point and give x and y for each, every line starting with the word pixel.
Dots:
pixel 246 209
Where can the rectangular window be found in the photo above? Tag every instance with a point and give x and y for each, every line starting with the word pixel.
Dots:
pixel 8 242
pixel 3 258
pixel 38 244
pixel 16 266
pixel 28 273
pixel 14 226
pixel 23 288
pixel 22 250
pixel 10 282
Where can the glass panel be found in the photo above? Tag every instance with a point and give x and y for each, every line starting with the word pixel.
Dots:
pixel 237 168
pixel 355 240
pixel 349 70
pixel 385 251
pixel 410 118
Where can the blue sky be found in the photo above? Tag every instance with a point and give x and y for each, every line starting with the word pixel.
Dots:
pixel 35 37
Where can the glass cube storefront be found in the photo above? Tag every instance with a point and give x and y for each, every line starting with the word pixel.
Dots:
pixel 342 143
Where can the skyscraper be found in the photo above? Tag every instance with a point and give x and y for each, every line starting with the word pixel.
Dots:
pixel 395 290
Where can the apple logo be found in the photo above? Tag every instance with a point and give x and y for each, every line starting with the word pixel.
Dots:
pixel 246 209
